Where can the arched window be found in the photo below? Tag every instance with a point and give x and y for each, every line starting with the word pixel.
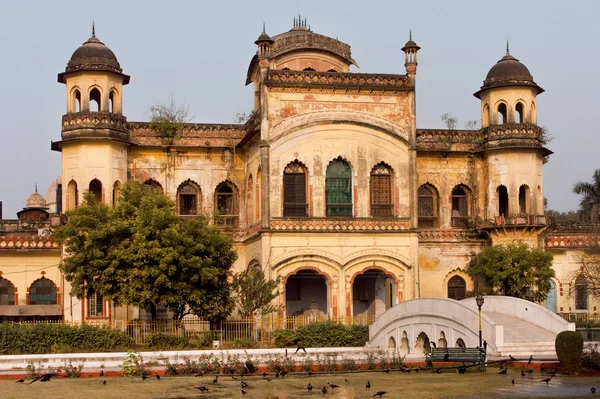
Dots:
pixel 533 115
pixel 111 102
pixel 43 292
pixel 76 100
pixel 427 206
pixel 502 114
pixel 457 288
pixel 7 292
pixel 581 293
pixel 502 193
pixel 338 188
pixel 249 202
pixel 95 305
pixel 72 195
pixel 226 205
pixel 96 189
pixel 116 192
pixel 154 184
pixel 294 190
pixel 95 100
pixel 187 198
pixel 381 191
pixel 524 199
pixel 519 113
pixel 486 115
pixel 460 207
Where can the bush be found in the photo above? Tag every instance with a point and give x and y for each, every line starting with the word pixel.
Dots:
pixel 160 341
pixel 60 338
pixel 590 359
pixel 569 345
pixel 324 334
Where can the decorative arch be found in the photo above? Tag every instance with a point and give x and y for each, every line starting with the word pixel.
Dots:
pixel 295 181
pixel 470 286
pixel 226 204
pixel 95 188
pixel 391 345
pixel 485 115
pixel 501 112
pixel 524 199
pixel 75 102
pixel 502 196
pixel 533 113
pixel 42 291
pixel 461 206
pixel 249 202
pixel 442 342
pixel 460 343
pixel 338 188
pixel 374 290
pixel 457 288
pixel 72 195
pixel 116 192
pixel 95 96
pixel 423 345
pixel 381 190
pixel 7 292
pixel 313 298
pixel 428 205
pixel 114 102
pixel 520 112
pixel 189 198
pixel 254 264
pixel 405 344
pixel 154 184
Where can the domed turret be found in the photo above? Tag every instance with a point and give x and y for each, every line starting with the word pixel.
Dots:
pixel 35 200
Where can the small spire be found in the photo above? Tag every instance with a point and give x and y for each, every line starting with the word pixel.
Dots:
pixel 410 34
pixel 93 28
pixel 36 187
pixel 264 28
pixel 507 51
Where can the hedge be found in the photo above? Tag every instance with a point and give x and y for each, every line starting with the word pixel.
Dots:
pixel 325 334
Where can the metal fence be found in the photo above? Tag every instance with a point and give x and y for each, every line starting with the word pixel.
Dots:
pixel 580 317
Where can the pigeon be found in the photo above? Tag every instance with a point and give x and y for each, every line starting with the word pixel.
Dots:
pixel 332 386
pixel 439 371
pixel 380 393
pixel 512 358
pixel 309 388
pixel 277 374
pixel 243 392
pixel 346 380
pixel 501 366
pixel 104 382
pixel 387 371
pixel 433 345
pixel 216 380
pixel 546 380
pixel 593 390
pixel 368 386
pixel 21 380
pixel 503 371
pixel 264 375
pixel 144 377
pixel 324 390
pixel 202 389
pixel 309 373
pixel 530 359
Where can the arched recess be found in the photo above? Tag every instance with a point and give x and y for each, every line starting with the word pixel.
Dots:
pixel 391 345
pixel 533 113
pixel 226 204
pixel 7 292
pixel 460 343
pixel 95 100
pixel 422 345
pixel 72 195
pixel 460 273
pixel 485 115
pixel 249 201
pixel 189 198
pixel 427 206
pixel 442 343
pixel 524 199
pixel 457 288
pixel 519 112
pixel 502 113
pixel 95 188
pixel 502 196
pixel 461 206
pixel 258 193
pixel 405 344
pixel 116 192
pixel 295 200
pixel 154 184
pixel 75 104
pixel 381 191
pixel 42 292
pixel 307 293
pixel 114 102
pixel 338 188
pixel 374 290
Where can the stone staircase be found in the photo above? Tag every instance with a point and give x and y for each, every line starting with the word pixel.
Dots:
pixel 522 339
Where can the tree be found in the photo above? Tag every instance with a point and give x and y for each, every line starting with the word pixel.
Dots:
pixel 169 120
pixel 589 266
pixel 591 195
pixel 140 253
pixel 514 270
pixel 450 121
pixel 254 293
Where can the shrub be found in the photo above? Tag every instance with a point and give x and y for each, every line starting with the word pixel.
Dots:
pixel 323 334
pixel 590 359
pixel 72 370
pixel 164 341
pixel 244 343
pixel 134 364
pixel 307 364
pixel 280 363
pixel 349 364
pixel 250 367
pixel 569 345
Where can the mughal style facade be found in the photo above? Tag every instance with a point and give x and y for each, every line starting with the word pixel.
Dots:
pixel 329 184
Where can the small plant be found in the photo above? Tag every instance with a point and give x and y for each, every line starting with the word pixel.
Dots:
pixel 250 367
pixel 371 361
pixel 72 370
pixel 134 364
pixel 330 363
pixel 34 370
pixel 590 359
pixel 280 363
pixel 307 364
pixel 569 346
pixel 349 364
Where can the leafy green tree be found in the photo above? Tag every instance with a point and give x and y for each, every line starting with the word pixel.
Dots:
pixel 140 253
pixel 169 120
pixel 514 270
pixel 590 193
pixel 254 293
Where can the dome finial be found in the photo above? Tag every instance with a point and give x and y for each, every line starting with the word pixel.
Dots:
pixel 507 50
pixel 264 28
pixel 93 28
pixel 410 34
pixel 36 187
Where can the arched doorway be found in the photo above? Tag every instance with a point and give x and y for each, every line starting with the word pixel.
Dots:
pixel 373 292
pixel 307 294
pixel 551 298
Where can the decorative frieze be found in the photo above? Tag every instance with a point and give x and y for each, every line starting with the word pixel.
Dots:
pixel 330 224
pixel 29 242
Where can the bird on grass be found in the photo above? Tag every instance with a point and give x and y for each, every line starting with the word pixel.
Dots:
pixel 145 377
pixel 243 392
pixel 512 358
pixel 309 373
pixel 216 380
pixel 503 371
pixel 593 390
pixel 264 375
pixel 104 382
pixel 101 373
pixel 501 366
pixel 21 380
pixel 462 369
pixel 309 388
pixel 368 386
pixel 380 393
pixel 529 371
pixel 157 376
pixel 324 390
pixel 530 359
pixel 546 380
pixel 332 386
pixel 244 384
pixel 346 380
pixel 202 389
pixel 387 371
pixel 439 371
pixel 277 374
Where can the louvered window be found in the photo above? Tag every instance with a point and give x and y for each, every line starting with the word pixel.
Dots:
pixel 457 288
pixel 381 192
pixel 294 191
pixel 338 188
pixel 426 207
pixel 460 208
pixel 187 200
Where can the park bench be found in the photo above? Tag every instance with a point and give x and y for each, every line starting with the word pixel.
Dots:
pixel 474 355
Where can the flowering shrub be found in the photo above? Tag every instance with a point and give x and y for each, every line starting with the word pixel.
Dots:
pixel 307 364
pixel 590 358
pixel 134 364
pixel 72 370
pixel 280 363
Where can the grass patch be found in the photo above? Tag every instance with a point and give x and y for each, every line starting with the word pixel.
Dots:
pixel 423 385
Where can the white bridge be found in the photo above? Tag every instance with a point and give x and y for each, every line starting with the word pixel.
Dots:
pixel 509 325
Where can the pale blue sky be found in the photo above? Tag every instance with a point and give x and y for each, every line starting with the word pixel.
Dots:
pixel 198 52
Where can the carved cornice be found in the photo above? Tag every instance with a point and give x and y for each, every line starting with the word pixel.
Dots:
pixel 29 242
pixel 331 224
pixel 298 39
pixel 454 235
pixel 193 135
pixel 88 124
pixel 571 241
pixel 353 82
pixel 448 140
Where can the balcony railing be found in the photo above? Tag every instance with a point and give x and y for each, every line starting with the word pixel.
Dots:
pixel 382 210
pixel 427 222
pixel 227 221
pixel 461 222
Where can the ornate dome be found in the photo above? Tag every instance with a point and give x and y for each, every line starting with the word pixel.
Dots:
pixel 508 72
pixel 35 200
pixel 93 55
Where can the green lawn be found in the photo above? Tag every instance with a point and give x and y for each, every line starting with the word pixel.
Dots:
pixel 415 385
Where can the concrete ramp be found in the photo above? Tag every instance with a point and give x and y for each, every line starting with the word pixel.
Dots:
pixel 510 326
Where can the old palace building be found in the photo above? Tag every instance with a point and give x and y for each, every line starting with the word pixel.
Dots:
pixel 329 184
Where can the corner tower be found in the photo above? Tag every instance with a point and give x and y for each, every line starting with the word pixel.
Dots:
pixel 94 135
pixel 513 149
